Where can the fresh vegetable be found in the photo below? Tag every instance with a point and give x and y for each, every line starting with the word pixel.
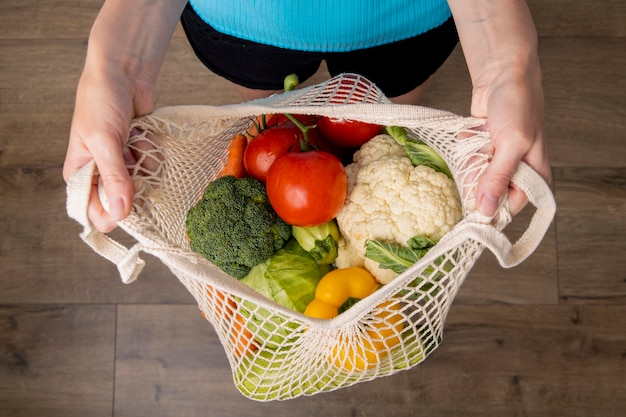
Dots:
pixel 382 334
pixel 226 309
pixel 268 121
pixel 368 348
pixel 234 164
pixel 308 188
pixel 320 241
pixel 272 143
pixel 346 133
pixel 391 200
pixel 336 288
pixel 399 258
pixel 234 225
pixel 289 277
pixel 275 135
pixel 396 257
pixel 268 146
pixel 419 152
pixel 261 376
pixel 258 376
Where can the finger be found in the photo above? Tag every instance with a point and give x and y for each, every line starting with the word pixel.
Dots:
pixel 98 214
pixel 537 158
pixel 493 184
pixel 114 177
pixel 517 200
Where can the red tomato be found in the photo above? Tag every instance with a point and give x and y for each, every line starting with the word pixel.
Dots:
pixel 278 136
pixel 308 188
pixel 268 146
pixel 347 133
pixel 319 144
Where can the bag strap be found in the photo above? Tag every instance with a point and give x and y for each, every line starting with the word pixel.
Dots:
pixel 127 260
pixel 478 227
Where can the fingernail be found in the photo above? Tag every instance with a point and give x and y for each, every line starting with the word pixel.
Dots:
pixel 489 204
pixel 116 209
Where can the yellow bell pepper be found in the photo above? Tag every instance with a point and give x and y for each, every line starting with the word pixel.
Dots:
pixel 336 287
pixel 333 290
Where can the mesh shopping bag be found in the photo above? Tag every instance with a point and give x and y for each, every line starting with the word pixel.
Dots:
pixel 274 352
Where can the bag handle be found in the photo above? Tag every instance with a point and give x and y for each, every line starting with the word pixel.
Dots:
pixel 479 227
pixel 127 260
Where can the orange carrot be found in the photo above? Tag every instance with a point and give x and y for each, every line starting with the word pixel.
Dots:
pixel 242 338
pixel 225 307
pixel 234 164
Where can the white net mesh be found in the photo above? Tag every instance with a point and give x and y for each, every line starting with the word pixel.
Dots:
pixel 276 353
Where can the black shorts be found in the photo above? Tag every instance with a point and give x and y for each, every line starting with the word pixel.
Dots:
pixel 396 68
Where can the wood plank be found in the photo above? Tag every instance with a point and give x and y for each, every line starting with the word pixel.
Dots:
pixel 579 18
pixel 73 18
pixel 543 339
pixel 170 362
pixel 534 281
pixel 45 19
pixel 37 101
pixel 67 270
pixel 450 88
pixel 52 19
pixel 520 360
pixel 44 260
pixel 585 102
pixel 494 361
pixel 56 360
pixel 585 91
pixel 592 225
pixel 574 108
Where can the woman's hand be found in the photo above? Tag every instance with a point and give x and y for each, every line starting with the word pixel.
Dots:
pixel 127 45
pixel 106 101
pixel 512 103
pixel 500 46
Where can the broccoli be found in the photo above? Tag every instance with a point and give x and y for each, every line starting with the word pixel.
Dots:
pixel 234 226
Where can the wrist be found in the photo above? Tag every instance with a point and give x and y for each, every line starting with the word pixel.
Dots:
pixel 496 36
pixel 133 36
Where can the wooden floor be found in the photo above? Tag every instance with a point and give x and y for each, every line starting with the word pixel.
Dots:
pixel 547 338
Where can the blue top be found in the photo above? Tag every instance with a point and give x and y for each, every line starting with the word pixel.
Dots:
pixel 323 25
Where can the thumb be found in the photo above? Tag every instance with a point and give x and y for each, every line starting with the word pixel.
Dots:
pixel 495 182
pixel 115 179
pixel 117 184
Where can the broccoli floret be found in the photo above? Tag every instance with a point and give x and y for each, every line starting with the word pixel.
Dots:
pixel 234 226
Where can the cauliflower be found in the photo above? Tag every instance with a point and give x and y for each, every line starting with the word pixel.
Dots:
pixel 391 200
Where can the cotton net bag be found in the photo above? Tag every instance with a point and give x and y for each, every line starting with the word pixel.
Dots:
pixel 276 353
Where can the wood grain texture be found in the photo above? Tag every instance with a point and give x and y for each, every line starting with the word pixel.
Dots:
pixel 73 18
pixel 586 18
pixel 546 338
pixel 494 361
pixel 56 360
pixel 585 92
pixel 44 260
pixel 592 237
pixel 585 102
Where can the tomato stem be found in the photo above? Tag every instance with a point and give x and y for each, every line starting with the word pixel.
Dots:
pixel 291 81
pixel 305 144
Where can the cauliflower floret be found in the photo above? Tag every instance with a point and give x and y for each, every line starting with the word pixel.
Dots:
pixel 391 200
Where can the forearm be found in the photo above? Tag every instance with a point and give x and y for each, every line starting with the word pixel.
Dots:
pixel 133 36
pixel 496 36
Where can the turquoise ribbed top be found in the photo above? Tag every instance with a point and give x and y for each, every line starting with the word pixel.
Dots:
pixel 323 25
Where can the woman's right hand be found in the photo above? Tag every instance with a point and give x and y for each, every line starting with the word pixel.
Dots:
pixel 127 45
pixel 106 101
